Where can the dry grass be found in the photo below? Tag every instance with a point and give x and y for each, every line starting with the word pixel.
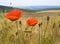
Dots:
pixel 8 30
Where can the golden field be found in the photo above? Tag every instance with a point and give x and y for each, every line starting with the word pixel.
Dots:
pixel 47 33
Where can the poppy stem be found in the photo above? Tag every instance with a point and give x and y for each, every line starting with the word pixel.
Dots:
pixel 39 32
pixel 18 40
pixel 27 28
pixel 45 31
pixel 29 39
pixel 22 33
pixel 39 35
pixel 31 33
pixel 47 25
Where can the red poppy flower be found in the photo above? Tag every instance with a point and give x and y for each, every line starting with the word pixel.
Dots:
pixel 32 22
pixel 14 15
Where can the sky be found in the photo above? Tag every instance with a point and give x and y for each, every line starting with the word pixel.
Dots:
pixel 30 2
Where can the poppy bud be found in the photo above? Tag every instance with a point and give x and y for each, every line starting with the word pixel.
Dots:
pixel 39 24
pixel 16 33
pixel 48 18
pixel 20 22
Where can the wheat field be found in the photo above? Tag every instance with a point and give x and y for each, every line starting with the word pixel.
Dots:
pixel 47 33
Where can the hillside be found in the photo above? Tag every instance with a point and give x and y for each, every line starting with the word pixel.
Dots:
pixel 7 9
pixel 29 9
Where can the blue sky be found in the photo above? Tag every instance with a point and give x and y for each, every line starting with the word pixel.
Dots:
pixel 30 2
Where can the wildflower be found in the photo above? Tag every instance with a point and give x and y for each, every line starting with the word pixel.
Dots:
pixel 14 15
pixel 20 22
pixel 32 22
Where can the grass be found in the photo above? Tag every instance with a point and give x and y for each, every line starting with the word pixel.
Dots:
pixel 49 33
